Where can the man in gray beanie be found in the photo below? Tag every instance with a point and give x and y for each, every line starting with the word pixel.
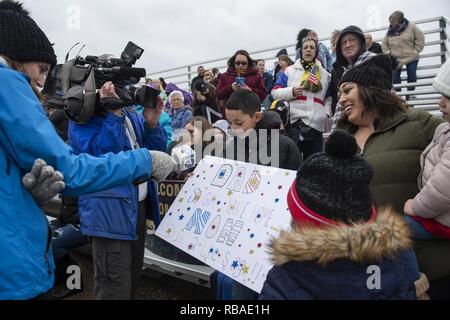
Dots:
pixel 350 51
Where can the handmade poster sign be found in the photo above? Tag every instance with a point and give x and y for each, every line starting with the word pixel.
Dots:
pixel 225 215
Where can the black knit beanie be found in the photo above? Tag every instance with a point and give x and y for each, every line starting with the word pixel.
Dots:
pixel 20 37
pixel 335 183
pixel 375 72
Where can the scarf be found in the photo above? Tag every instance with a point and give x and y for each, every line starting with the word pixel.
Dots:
pixel 311 82
pixel 392 32
pixel 363 57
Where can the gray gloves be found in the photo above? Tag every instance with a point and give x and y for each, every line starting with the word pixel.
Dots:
pixel 43 182
pixel 162 165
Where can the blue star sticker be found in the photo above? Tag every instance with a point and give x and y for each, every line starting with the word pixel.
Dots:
pixel 277 200
pixel 181 217
pixel 211 250
pixel 234 264
pixel 252 235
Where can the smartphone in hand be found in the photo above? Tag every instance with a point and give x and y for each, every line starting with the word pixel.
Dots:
pixel 240 81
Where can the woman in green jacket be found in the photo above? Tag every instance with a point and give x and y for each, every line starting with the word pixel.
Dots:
pixel 391 138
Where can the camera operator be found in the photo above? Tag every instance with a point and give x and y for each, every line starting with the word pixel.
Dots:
pixel 26 55
pixel 205 102
pixel 115 218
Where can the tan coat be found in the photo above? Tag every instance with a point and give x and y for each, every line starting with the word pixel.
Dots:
pixel 433 201
pixel 407 46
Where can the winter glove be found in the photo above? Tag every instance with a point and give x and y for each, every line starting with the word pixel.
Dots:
pixel 422 285
pixel 43 182
pixel 162 165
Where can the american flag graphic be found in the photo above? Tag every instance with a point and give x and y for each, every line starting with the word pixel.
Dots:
pixel 312 76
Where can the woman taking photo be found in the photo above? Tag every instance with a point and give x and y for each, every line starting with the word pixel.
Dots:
pixel 241 74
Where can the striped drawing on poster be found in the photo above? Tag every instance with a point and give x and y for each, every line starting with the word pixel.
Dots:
pixel 253 182
pixel 198 221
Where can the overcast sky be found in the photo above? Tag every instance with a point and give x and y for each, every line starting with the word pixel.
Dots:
pixel 175 33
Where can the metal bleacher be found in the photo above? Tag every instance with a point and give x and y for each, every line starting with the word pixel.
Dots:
pixel 435 53
pixel 437 50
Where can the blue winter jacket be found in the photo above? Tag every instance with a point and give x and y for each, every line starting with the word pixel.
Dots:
pixel 364 261
pixel 26 266
pixel 181 117
pixel 112 213
pixel 166 123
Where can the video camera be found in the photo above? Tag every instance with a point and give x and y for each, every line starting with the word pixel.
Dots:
pixel 73 86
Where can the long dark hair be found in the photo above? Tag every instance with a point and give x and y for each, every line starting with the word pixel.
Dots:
pixel 251 62
pixel 384 104
pixel 163 83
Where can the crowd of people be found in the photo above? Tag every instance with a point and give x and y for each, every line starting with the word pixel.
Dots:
pixel 378 193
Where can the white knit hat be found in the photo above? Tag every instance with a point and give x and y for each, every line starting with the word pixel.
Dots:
pixel 442 81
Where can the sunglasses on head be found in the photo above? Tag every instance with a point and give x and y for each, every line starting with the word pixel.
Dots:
pixel 241 63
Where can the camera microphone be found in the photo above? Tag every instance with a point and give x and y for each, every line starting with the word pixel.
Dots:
pixel 184 157
pixel 125 72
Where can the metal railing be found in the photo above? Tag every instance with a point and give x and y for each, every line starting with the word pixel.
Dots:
pixel 182 75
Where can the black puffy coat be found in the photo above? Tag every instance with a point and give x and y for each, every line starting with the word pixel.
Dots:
pixel 289 157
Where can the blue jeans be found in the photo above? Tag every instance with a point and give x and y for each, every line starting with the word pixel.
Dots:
pixel 411 69
pixel 418 230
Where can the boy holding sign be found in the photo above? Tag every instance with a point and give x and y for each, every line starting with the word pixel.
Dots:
pixel 256 139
